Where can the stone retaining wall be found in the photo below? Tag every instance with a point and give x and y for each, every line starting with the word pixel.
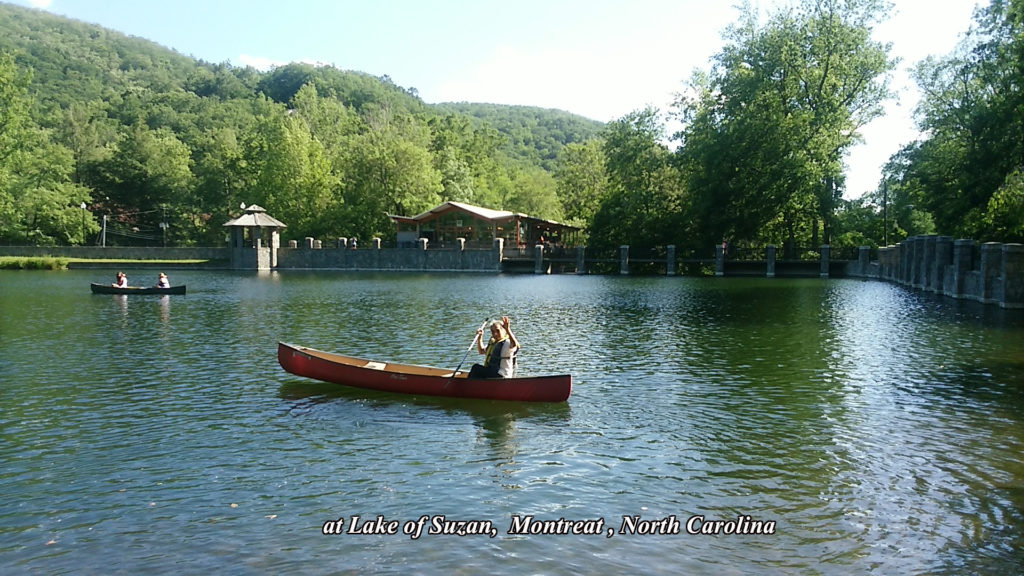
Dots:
pixel 994 274
pixel 118 252
pixel 313 256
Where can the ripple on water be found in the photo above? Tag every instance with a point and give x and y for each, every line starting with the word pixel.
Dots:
pixel 879 428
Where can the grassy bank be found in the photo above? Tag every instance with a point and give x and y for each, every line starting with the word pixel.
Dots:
pixel 52 263
pixel 42 263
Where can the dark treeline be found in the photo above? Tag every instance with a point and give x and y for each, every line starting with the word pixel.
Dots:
pixel 169 147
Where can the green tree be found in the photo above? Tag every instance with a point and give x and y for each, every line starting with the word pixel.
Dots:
pixel 973 114
pixel 390 171
pixel 644 197
pixel 293 178
pixel 535 194
pixel 581 181
pixel 765 132
pixel 145 181
pixel 38 201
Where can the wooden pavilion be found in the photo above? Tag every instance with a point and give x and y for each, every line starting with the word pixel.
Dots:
pixel 441 226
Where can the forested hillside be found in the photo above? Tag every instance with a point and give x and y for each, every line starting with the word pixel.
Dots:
pixel 148 136
pixel 163 144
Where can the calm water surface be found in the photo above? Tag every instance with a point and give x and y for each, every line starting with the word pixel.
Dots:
pixel 880 429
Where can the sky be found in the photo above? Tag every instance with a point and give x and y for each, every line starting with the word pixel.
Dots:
pixel 601 59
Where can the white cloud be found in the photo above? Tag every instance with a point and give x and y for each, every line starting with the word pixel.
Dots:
pixel 264 64
pixel 258 62
pixel 604 84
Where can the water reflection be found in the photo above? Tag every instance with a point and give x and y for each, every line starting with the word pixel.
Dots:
pixel 496 424
pixel 165 308
pixel 881 428
pixel 122 303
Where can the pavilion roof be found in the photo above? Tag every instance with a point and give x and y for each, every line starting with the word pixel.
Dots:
pixel 480 212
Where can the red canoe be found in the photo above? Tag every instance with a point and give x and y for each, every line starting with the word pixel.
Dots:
pixel 419 380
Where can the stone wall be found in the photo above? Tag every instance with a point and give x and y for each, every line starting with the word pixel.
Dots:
pixel 992 273
pixel 313 256
pixel 118 252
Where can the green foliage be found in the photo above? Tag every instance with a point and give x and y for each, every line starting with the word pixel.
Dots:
pixel 965 174
pixel 1005 210
pixel 765 131
pixel 158 139
pixel 644 196
pixel 147 136
pixel 531 135
pixel 390 171
pixel 581 181
pixel 38 201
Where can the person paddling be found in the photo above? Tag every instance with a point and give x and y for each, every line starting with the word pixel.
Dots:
pixel 499 353
pixel 122 280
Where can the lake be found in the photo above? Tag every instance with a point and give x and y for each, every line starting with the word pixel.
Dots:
pixel 821 426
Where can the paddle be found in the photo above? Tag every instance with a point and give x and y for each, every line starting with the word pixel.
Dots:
pixel 468 350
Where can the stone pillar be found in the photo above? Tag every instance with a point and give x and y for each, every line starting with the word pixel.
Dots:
pixel 275 244
pixel 991 269
pixel 719 260
pixel 670 260
pixel 538 259
pixel 342 243
pixel 460 243
pixel 1013 276
pixel 581 260
pixel 963 253
pixel 916 260
pixel 318 244
pixel 911 260
pixel 293 243
pixel 928 263
pixel 769 260
pixel 498 252
pixel 375 243
pixel 825 260
pixel 903 252
pixel 308 242
pixel 943 258
pixel 863 260
pixel 624 259
pixel 421 243
pixel 907 268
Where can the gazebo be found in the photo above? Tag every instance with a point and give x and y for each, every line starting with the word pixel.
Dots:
pixel 248 250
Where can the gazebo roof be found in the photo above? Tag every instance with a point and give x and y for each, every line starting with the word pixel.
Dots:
pixel 255 216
